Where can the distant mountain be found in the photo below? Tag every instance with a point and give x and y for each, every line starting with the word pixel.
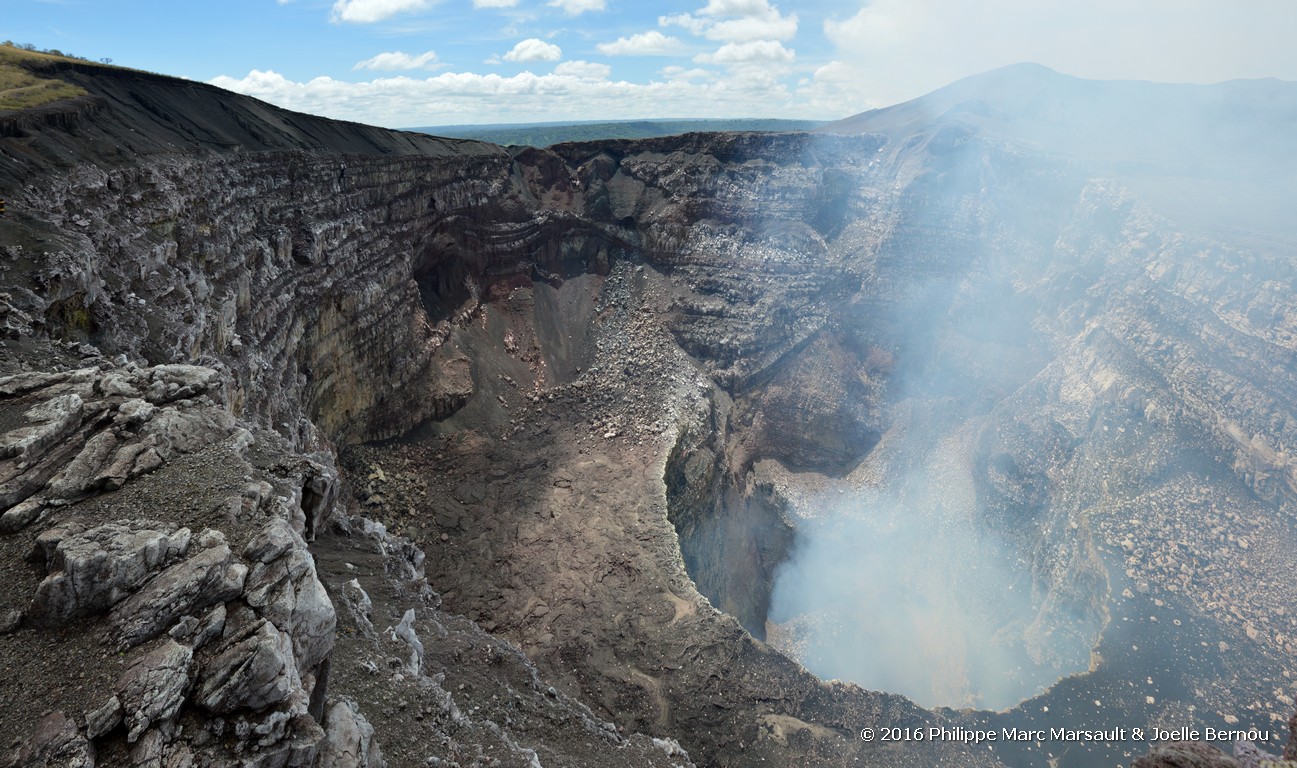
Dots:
pixel 1219 155
pixel 547 134
pixel 1104 120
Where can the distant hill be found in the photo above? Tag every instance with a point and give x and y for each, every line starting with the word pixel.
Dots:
pixel 1221 154
pixel 545 134
pixel 1120 122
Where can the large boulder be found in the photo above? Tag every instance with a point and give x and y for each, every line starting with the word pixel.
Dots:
pixel 348 739
pixel 287 592
pixel 152 689
pixel 253 669
pixel 187 587
pixel 92 570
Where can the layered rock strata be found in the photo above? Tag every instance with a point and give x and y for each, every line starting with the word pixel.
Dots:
pixel 221 311
pixel 614 354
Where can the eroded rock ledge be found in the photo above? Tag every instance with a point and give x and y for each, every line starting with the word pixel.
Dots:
pixel 193 625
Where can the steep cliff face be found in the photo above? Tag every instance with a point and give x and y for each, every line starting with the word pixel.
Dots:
pixel 628 379
pixel 161 221
pixel 338 284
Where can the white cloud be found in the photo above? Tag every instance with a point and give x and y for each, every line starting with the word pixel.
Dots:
pixel 837 72
pixel 736 21
pixel 753 63
pixel 651 43
pixel 751 52
pixel 495 3
pixel 369 11
pixel 689 22
pixel 533 49
pixel 462 97
pixel 674 72
pixel 837 84
pixel 397 60
pixel 583 70
pixel 577 7
pixel 735 8
pixel 771 27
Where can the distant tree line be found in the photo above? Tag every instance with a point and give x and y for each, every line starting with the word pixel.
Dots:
pixel 544 135
pixel 50 51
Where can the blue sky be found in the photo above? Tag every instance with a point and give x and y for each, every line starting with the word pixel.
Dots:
pixel 437 62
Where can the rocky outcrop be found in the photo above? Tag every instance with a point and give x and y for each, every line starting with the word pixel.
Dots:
pixel 153 687
pixel 229 617
pixel 93 429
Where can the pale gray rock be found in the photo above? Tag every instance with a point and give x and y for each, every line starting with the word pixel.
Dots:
pixel 359 608
pixel 49 423
pixel 20 487
pixel 82 473
pixel 14 323
pixel 232 581
pixel 210 537
pixel 129 461
pixel 251 670
pixel 22 383
pixel 404 631
pixel 105 718
pixel 82 439
pixel 178 382
pixel 403 561
pixel 48 542
pixel 178 431
pixel 31 454
pixel 197 633
pixel 179 755
pixel 119 384
pixel 270 585
pixel 297 747
pixel 91 571
pixel 21 515
pixel 183 629
pixel 349 739
pixel 272 541
pixel 153 687
pixel 188 586
pixel 149 751
pixel 288 592
pixel 10 620
pixel 313 621
pixel 134 412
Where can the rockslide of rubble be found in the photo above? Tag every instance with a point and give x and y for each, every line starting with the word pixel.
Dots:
pixel 327 445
